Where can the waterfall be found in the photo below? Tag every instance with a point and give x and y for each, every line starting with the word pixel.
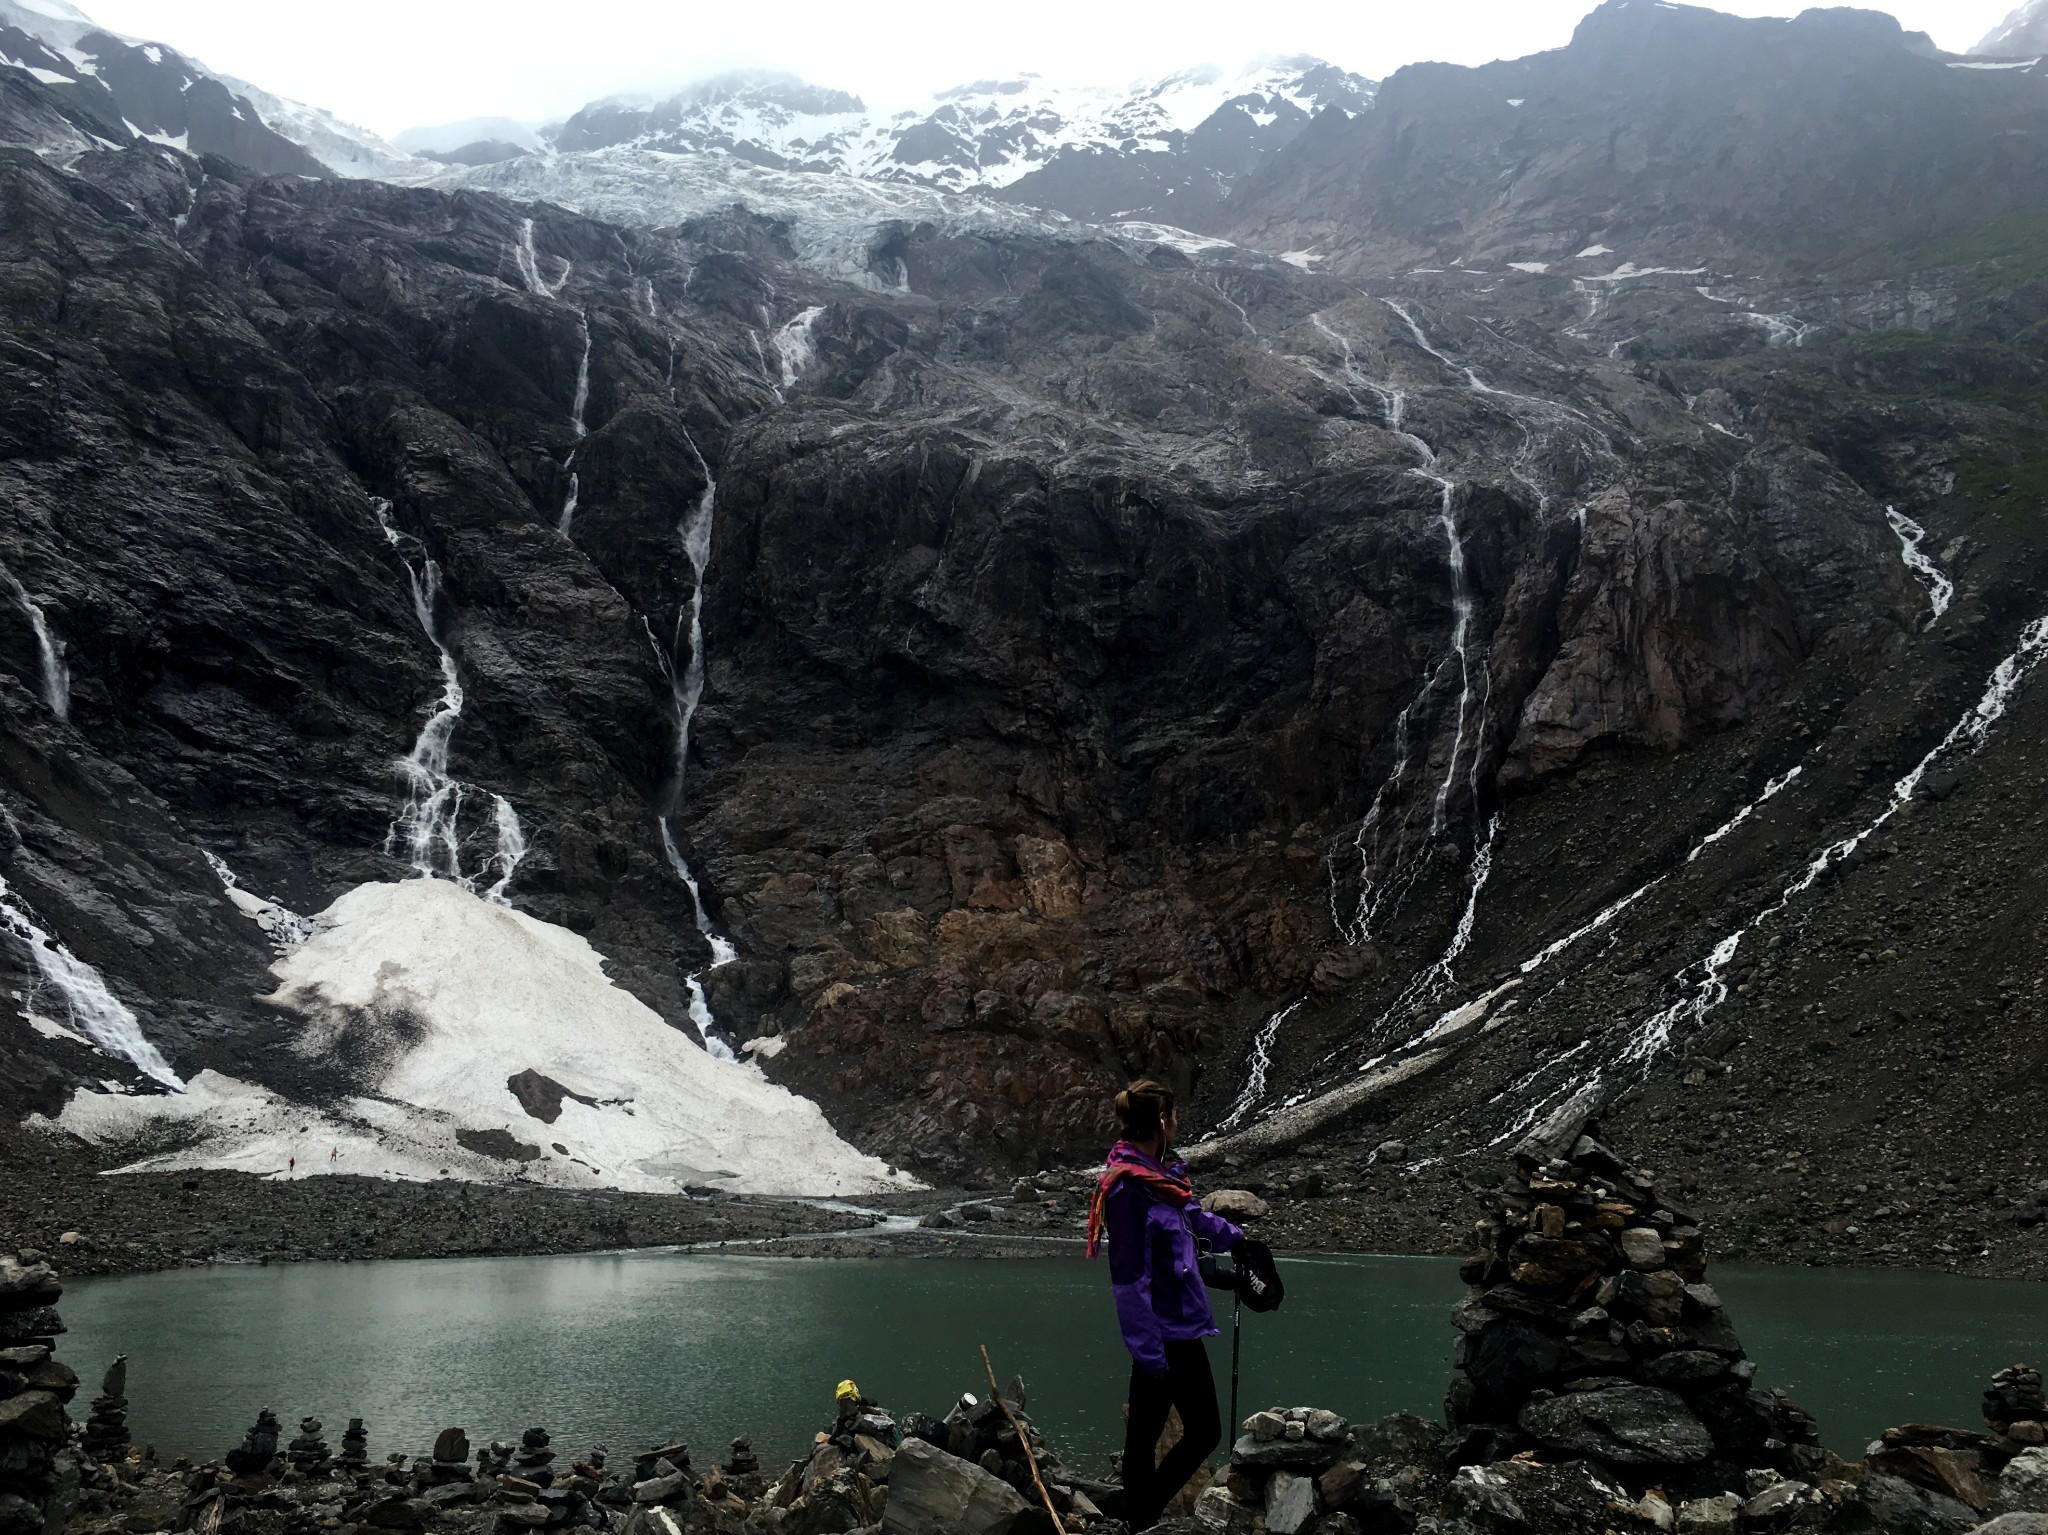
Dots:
pixel 1255 1070
pixel 104 1018
pixel 1940 589
pixel 511 849
pixel 428 827
pixel 1614 909
pixel 56 675
pixel 795 348
pixel 529 265
pixel 686 691
pixel 576 423
pixel 1973 729
pixel 1359 928
pixel 1461 629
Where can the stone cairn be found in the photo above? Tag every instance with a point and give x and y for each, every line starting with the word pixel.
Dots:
pixel 355 1448
pixel 256 1454
pixel 308 1454
pixel 1297 1469
pixel 2003 1466
pixel 1589 1331
pixel 106 1427
pixel 38 1476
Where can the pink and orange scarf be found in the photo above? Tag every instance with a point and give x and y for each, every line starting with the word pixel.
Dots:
pixel 1127 1161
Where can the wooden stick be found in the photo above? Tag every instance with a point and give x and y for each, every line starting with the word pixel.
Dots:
pixel 1024 1439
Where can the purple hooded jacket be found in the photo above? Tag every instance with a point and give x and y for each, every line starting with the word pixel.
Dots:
pixel 1160 1297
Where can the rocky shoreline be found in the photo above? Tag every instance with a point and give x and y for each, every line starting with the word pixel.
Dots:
pixel 1348 1199
pixel 1600 1386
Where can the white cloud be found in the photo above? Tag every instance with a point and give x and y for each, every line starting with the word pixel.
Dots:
pixel 393 63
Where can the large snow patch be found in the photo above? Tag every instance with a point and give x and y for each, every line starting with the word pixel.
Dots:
pixel 429 999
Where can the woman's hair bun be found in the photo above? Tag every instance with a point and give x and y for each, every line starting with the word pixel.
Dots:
pixel 1143 1107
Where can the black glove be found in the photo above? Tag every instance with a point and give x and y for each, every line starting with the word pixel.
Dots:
pixel 1258 1276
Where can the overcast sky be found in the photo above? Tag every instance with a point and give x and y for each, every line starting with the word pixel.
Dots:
pixel 391 64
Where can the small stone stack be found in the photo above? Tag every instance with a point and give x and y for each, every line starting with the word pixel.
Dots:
pixel 38 1477
pixel 662 1477
pixel 2004 1465
pixel 527 1496
pixel 534 1457
pixel 1298 1469
pixel 258 1449
pixel 355 1448
pixel 308 1452
pixel 743 1461
pixel 106 1427
pixel 1589 1331
pixel 2016 1410
pixel 449 1461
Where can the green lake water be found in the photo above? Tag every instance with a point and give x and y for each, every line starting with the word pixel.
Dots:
pixel 627 1349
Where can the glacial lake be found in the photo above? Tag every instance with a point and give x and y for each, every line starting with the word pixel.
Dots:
pixel 628 1349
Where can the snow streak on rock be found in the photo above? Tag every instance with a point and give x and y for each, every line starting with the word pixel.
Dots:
pixel 283 927
pixel 50 649
pixel 428 998
pixel 529 264
pixel 1940 590
pixel 103 1017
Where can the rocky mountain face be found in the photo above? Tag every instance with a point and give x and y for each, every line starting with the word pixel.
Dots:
pixel 117 93
pixel 1680 136
pixel 1385 713
pixel 2024 32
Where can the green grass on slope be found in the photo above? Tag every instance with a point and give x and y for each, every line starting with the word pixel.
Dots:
pixel 2003 254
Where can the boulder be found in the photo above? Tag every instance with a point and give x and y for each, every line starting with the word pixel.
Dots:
pixel 1628 1425
pixel 1284 1454
pixel 2015 1524
pixel 1892 1506
pixel 1218 1513
pixel 1236 1205
pixel 933 1493
pixel 1708 1516
pixel 1290 1503
pixel 2023 1484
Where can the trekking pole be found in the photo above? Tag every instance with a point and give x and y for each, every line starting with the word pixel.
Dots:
pixel 1236 1336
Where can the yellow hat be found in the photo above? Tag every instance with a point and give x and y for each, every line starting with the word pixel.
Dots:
pixel 847 1392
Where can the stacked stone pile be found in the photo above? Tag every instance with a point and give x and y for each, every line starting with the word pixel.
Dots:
pixel 1300 1469
pixel 308 1454
pixel 106 1426
pixel 1589 1332
pixel 38 1477
pixel 256 1456
pixel 2002 1468
pixel 355 1448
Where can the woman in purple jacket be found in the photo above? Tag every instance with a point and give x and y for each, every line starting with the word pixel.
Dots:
pixel 1146 1207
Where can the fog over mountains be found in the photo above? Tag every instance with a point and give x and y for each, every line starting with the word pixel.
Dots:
pixel 1391 604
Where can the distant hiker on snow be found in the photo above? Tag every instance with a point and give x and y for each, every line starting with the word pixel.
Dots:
pixel 1145 1205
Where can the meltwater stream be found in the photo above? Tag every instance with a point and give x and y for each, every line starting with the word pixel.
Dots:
pixel 632 1349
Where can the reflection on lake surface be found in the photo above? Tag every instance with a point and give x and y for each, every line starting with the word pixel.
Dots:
pixel 627 1349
